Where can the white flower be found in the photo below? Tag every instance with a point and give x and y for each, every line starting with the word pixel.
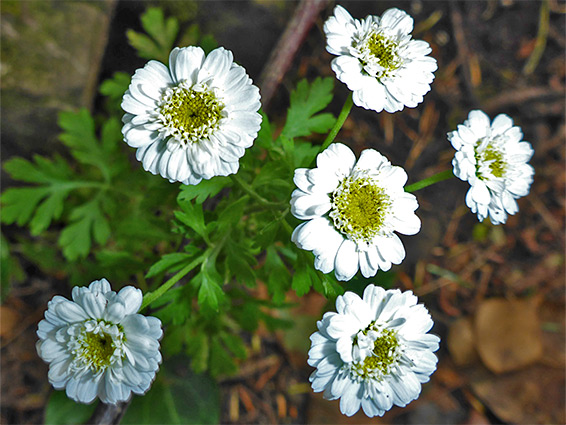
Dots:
pixel 493 159
pixel 97 346
pixel 373 352
pixel 192 120
pixel 352 211
pixel 378 61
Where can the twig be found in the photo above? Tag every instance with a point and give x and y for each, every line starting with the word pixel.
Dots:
pixel 287 46
pixel 521 96
pixel 464 53
pixel 543 24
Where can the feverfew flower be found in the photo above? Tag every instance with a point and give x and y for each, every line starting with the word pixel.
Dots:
pixel 97 346
pixel 378 61
pixel 493 159
pixel 352 209
pixel 373 352
pixel 192 120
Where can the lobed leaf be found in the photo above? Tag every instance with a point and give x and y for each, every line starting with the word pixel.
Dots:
pixel 162 34
pixel 116 86
pixel 169 263
pixel 306 100
pixel 210 294
pixel 88 222
pixel 192 216
pixel 204 190
pixel 278 280
pixel 221 362
pixel 80 137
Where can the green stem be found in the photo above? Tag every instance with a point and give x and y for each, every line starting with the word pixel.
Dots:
pixel 444 175
pixel 542 36
pixel 150 297
pixel 249 190
pixel 339 122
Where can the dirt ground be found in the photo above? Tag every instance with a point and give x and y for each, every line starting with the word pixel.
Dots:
pixel 496 293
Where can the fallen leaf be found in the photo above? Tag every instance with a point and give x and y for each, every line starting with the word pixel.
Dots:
pixel 9 321
pixel 534 395
pixel 461 342
pixel 508 333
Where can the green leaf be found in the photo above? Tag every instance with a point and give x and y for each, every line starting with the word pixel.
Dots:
pixel 10 269
pixel 304 154
pixel 116 86
pixel 302 279
pixel 88 222
pixel 111 135
pixel 221 362
pixel 42 171
pixel 177 306
pixel 192 216
pixel 198 349
pixel 191 36
pixel 331 287
pixel 18 204
pixel 62 410
pixel 205 189
pixel 265 134
pixel 208 43
pixel 210 294
pixel 169 263
pixel 278 280
pixel 162 35
pixel 173 341
pixel 178 396
pixel 274 176
pixel 231 214
pixel 247 315
pixel 79 136
pixel 240 261
pixel 50 209
pixel 126 261
pixel 235 344
pixel 306 101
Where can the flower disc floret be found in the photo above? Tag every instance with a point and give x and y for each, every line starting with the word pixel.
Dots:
pixel 352 211
pixel 384 356
pixel 373 352
pixel 189 115
pixel 378 49
pixel 194 119
pixel 492 157
pixel 98 346
pixel 359 208
pixel 378 60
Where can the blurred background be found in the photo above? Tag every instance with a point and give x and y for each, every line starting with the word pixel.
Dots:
pixel 496 293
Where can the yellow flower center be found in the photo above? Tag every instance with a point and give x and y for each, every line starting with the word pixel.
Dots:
pixel 383 49
pixel 359 208
pixel 189 115
pixel 385 354
pixel 97 349
pixel 494 157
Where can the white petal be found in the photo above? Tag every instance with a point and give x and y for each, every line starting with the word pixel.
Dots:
pixel 397 20
pixel 337 158
pixel 185 63
pixel 346 264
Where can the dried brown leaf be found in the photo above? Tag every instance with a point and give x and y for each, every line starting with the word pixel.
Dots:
pixel 461 342
pixel 508 333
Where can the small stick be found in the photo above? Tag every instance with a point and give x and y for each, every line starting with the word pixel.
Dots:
pixel 287 46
